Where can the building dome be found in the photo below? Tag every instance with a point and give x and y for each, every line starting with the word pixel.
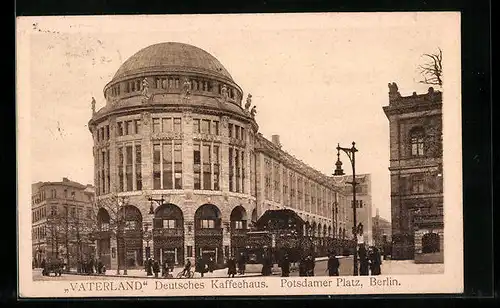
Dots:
pixel 172 56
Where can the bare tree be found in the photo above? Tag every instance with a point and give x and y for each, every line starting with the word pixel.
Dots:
pixel 115 206
pixel 432 70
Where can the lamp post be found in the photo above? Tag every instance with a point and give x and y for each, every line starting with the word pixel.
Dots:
pixel 159 203
pixel 122 203
pixel 351 153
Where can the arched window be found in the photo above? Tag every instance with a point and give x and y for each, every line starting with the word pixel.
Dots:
pixel 417 135
pixel 207 216
pixel 238 218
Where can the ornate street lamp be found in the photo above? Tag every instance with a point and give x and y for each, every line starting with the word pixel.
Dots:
pixel 351 153
pixel 159 202
pixel 122 203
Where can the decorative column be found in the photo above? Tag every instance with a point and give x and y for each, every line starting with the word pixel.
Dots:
pixel 146 152
pixel 224 163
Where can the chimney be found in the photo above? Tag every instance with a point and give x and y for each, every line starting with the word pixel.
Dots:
pixel 65 180
pixel 276 140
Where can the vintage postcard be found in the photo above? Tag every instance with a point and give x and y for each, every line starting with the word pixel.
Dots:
pixel 239 155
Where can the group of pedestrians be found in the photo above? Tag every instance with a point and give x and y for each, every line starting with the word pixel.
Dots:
pixel 152 267
pixel 90 266
pixel 307 265
pixel 370 261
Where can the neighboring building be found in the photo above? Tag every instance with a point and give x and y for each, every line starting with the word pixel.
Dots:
pixel 174 127
pixel 381 231
pixel 416 175
pixel 62 218
pixel 363 204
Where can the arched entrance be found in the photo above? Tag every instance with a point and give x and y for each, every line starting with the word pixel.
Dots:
pixel 238 230
pixel 430 243
pixel 208 233
pixel 103 237
pixel 168 234
pixel 131 237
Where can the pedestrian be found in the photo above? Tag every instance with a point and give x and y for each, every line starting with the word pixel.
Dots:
pixel 310 264
pixel 285 266
pixel 375 261
pixel 164 268
pixel 303 267
pixel 99 266
pixel 91 265
pixel 241 264
pixel 231 267
pixel 333 265
pixel 363 261
pixel 44 268
pixel 266 266
pixel 149 267
pixel 156 268
pixel 211 265
pixel 200 266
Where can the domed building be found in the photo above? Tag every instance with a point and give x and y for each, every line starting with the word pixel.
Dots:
pixel 179 163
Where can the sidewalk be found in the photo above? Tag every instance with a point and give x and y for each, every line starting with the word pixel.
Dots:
pixel 409 267
pixel 219 273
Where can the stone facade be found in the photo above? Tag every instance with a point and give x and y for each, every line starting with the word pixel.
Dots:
pixel 191 144
pixel 415 124
pixel 364 204
pixel 62 219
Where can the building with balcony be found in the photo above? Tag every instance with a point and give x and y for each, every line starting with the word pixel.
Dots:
pixel 415 124
pixel 62 219
pixel 174 129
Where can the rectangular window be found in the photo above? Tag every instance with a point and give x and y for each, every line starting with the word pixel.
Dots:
pixel 238 171
pixel 230 129
pixel 137 124
pixel 205 127
pixel 167 124
pixel 156 166
pixel 130 225
pixel 196 126
pixel 231 164
pixel 417 184
pixel 197 166
pixel 128 167
pixel 242 130
pixel 120 128
pixel 237 132
pixel 130 127
pixel 167 166
pixel 177 125
pixel 207 224
pixel 138 168
pixel 168 224
pixel 189 251
pixel 156 125
pixel 107 132
pixel 89 214
pixel 242 171
pixel 215 127
pixel 238 224
pixel 178 164
pixel 206 168
pixel 215 158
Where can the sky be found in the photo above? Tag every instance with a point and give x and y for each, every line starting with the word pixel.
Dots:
pixel 316 79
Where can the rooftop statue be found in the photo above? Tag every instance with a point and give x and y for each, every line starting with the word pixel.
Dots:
pixel 224 92
pixel 249 102
pixel 93 105
pixel 145 88
pixel 253 111
pixel 393 91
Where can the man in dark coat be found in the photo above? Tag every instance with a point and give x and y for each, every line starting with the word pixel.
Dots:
pixel 200 266
pixel 149 267
pixel 91 265
pixel 285 266
pixel 44 267
pixel 333 265
pixel 363 261
pixel 241 264
pixel 164 269
pixel 156 268
pixel 266 266
pixel 231 267
pixel 310 265
pixel 375 261
pixel 303 267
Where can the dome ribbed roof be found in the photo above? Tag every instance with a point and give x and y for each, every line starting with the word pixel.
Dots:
pixel 172 55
